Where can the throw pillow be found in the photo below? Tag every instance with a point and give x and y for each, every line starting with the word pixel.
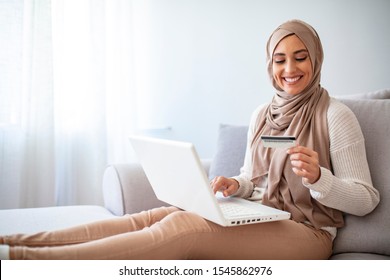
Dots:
pixel 230 154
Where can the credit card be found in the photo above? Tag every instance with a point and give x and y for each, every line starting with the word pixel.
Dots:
pixel 278 141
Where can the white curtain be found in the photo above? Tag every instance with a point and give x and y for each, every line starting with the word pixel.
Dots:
pixel 67 102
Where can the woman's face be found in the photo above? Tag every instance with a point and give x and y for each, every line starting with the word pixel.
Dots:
pixel 291 65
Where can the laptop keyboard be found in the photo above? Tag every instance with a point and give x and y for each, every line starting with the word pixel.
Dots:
pixel 235 210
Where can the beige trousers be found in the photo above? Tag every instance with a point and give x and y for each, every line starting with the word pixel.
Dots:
pixel 169 233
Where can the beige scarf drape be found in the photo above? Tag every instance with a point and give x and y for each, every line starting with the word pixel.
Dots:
pixel 305 116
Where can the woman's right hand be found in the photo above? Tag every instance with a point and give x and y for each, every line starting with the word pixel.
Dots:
pixel 227 186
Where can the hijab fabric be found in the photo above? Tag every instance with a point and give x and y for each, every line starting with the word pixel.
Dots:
pixel 304 116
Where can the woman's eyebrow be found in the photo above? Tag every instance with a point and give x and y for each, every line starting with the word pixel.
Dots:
pixel 296 52
pixel 300 51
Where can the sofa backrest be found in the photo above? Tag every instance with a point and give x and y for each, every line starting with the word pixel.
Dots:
pixel 369 234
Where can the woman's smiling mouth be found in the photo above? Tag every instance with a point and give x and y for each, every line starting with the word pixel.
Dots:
pixel 292 80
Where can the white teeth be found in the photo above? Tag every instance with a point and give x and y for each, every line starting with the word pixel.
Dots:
pixel 292 80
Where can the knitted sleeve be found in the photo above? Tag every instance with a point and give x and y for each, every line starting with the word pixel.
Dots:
pixel 349 188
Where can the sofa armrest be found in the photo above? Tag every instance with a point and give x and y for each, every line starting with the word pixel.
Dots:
pixel 126 189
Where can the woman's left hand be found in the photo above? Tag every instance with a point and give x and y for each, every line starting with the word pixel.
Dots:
pixel 305 163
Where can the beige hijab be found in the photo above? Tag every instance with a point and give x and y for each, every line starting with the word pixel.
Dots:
pixel 305 116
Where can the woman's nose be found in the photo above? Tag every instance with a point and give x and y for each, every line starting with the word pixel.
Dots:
pixel 290 66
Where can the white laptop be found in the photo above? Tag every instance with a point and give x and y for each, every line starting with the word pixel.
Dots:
pixel 178 178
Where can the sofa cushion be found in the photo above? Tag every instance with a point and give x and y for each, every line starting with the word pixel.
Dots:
pixel 359 256
pixel 32 220
pixel 231 145
pixel 370 234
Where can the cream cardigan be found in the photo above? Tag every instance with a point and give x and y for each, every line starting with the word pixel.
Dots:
pixel 349 188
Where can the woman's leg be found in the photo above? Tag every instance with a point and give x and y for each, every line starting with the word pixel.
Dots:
pixel 167 235
pixel 183 235
pixel 92 231
pixel 272 240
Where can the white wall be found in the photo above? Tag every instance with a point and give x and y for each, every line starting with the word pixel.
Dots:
pixel 200 63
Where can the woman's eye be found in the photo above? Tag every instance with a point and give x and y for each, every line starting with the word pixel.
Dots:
pixel 279 61
pixel 301 58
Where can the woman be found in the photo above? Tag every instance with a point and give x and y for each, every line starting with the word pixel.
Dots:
pixel 316 181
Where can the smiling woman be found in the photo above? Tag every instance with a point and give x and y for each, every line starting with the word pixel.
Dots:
pixel 300 180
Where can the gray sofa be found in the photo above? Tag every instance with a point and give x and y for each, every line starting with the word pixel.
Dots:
pixel 127 190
